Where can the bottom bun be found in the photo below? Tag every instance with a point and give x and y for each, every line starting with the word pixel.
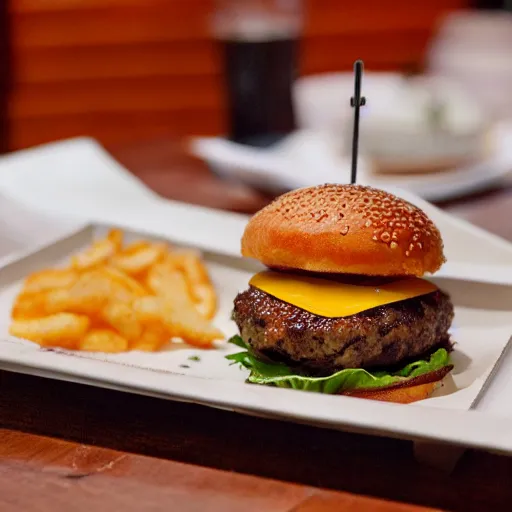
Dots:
pixel 413 390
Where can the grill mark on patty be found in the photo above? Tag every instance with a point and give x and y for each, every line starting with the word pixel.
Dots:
pixel 387 328
pixel 382 336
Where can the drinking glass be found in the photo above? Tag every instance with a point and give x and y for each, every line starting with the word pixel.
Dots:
pixel 259 40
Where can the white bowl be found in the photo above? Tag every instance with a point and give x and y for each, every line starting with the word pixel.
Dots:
pixel 322 102
pixel 395 126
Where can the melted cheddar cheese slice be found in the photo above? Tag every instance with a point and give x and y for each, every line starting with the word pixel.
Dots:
pixel 333 299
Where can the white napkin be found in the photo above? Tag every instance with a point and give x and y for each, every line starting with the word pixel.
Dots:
pixel 71 174
pixel 79 181
pixel 308 157
pixel 22 229
pixel 304 158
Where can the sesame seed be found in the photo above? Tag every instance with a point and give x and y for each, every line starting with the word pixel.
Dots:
pixel 328 207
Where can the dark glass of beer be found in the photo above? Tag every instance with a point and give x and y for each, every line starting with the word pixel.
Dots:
pixel 259 41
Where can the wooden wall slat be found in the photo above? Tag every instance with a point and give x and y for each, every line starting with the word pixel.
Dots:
pixel 115 128
pixel 126 25
pixel 324 54
pixel 160 94
pixel 41 6
pixel 203 59
pixel 5 79
pixel 346 21
pixel 121 70
pixel 138 24
pixel 65 64
pixel 38 6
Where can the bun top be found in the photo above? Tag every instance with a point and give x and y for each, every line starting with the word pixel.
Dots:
pixel 350 229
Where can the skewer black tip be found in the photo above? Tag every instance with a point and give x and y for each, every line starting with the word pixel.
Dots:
pixel 356 102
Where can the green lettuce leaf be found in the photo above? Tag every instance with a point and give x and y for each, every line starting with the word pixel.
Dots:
pixel 280 375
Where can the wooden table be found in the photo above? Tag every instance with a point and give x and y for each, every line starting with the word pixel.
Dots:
pixel 67 446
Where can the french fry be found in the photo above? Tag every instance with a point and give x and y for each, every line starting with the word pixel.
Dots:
pixel 206 300
pixel 59 301
pixel 179 313
pixel 149 309
pixel 120 279
pixel 158 282
pixel 198 281
pixel 99 252
pixel 103 340
pixel 138 257
pixel 62 329
pixel 90 294
pixel 123 319
pixel 49 279
pixel 191 327
pixel 114 299
pixel 153 338
pixel 29 305
pixel 189 262
pixel 136 246
pixel 116 237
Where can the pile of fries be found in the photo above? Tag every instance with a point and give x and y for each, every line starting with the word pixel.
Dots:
pixel 114 298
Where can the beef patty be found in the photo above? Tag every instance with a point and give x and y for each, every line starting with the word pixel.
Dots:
pixel 382 336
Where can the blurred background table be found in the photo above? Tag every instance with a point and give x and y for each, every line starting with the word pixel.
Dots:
pixel 115 451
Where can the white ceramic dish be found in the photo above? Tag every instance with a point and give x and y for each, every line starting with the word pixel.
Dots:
pixel 311 158
pixel 77 179
pixel 319 150
pixel 482 311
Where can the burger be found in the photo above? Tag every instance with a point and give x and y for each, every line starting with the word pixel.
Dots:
pixel 342 306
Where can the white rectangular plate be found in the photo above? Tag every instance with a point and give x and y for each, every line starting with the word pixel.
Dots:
pixel 482 329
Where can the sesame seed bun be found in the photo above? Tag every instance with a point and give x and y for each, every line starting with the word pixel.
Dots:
pixel 348 229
